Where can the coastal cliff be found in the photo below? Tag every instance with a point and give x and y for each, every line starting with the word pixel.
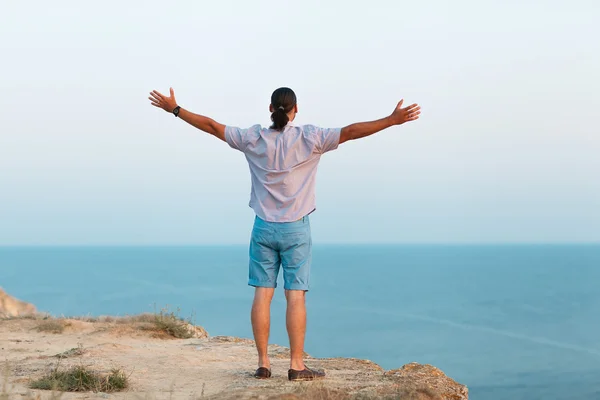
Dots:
pixel 12 307
pixel 158 365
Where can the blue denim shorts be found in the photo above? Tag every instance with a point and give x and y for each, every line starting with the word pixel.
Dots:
pixel 275 244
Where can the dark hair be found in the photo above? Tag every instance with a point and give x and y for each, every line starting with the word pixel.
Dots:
pixel 283 101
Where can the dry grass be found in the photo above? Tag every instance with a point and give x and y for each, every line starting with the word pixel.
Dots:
pixel 136 319
pixel 104 318
pixel 82 379
pixel 163 323
pixel 166 323
pixel 52 325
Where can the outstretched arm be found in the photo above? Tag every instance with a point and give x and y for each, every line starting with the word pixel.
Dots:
pixel 201 122
pixel 364 129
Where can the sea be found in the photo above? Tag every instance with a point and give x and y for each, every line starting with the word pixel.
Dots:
pixel 509 321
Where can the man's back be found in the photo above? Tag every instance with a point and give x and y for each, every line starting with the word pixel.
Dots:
pixel 283 166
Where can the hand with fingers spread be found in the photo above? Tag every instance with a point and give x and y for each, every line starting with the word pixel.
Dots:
pixel 398 117
pixel 169 104
pixel 161 101
pixel 402 115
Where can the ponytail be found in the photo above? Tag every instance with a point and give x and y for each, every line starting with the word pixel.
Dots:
pixel 283 100
pixel 279 118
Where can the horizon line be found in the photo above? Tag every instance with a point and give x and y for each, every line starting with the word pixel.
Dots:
pixel 341 244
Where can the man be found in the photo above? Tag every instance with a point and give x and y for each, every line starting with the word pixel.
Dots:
pixel 283 163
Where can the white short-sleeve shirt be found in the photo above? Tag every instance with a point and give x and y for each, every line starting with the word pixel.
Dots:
pixel 283 167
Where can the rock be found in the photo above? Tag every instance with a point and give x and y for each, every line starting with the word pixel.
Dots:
pixel 427 380
pixel 12 307
pixel 231 339
pixel 342 363
pixel 198 332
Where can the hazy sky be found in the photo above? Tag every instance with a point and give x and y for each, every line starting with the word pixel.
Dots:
pixel 507 149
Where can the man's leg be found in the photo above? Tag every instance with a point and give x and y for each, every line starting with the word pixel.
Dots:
pixel 296 245
pixel 261 323
pixel 296 326
pixel 263 270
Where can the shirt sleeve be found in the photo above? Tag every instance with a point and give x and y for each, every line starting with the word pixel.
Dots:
pixel 326 139
pixel 237 138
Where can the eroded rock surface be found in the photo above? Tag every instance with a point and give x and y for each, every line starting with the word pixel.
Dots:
pixel 12 307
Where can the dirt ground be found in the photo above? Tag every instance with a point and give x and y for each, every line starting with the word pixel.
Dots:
pixel 219 367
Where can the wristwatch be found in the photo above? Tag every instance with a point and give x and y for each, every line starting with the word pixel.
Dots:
pixel 176 111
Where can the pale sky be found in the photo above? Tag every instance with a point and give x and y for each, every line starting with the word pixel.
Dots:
pixel 507 149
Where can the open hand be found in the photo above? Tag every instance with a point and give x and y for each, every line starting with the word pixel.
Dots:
pixel 161 101
pixel 402 115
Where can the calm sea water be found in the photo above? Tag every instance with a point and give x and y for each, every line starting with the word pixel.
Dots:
pixel 511 322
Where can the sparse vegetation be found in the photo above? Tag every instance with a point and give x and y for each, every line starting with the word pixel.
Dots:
pixel 164 322
pixel 172 324
pixel 82 379
pixel 51 325
pixel 133 319
pixel 75 351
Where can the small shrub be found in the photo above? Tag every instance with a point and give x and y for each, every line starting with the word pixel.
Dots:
pixel 52 326
pixel 116 381
pixel 82 379
pixel 173 325
pixel 165 322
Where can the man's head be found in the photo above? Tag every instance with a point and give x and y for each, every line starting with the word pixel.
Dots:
pixel 283 107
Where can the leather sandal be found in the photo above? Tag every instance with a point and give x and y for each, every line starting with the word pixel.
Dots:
pixel 262 373
pixel 306 374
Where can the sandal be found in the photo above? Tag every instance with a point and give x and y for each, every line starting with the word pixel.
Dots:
pixel 262 373
pixel 306 374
